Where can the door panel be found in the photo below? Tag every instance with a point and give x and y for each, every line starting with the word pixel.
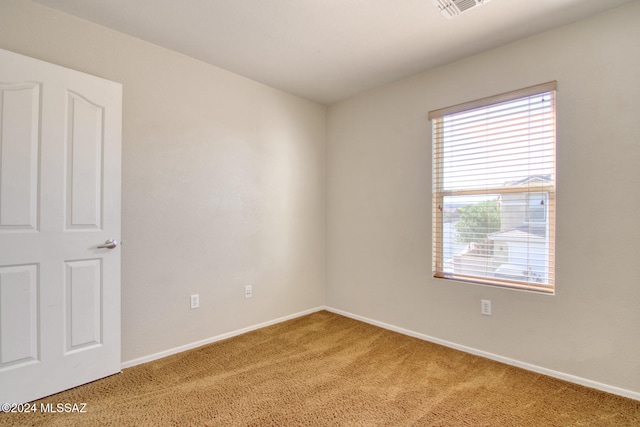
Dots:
pixel 19 138
pixel 83 304
pixel 19 315
pixel 84 163
pixel 60 145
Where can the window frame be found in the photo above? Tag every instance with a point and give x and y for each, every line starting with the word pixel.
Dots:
pixel 438 193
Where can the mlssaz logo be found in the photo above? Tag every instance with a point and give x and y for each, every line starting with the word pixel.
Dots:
pixel 64 407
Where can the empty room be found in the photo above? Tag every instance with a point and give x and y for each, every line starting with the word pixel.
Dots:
pixel 320 212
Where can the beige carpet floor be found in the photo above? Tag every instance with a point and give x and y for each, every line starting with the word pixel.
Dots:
pixel 327 370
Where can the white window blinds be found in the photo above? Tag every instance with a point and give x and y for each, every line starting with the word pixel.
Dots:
pixel 494 189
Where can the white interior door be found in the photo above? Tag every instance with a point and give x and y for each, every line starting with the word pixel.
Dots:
pixel 60 147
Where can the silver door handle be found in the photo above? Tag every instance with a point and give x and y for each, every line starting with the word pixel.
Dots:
pixel 109 244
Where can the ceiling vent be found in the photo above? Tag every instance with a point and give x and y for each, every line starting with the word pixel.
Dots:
pixel 451 8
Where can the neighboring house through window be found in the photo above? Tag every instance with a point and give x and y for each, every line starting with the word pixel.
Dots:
pixel 538 207
pixel 494 190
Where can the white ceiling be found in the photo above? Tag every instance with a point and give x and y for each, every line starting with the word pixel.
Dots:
pixel 327 50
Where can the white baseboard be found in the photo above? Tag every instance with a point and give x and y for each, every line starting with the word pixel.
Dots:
pixel 534 368
pixel 529 367
pixel 180 349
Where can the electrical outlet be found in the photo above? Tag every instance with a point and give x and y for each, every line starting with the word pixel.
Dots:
pixel 248 291
pixel 485 307
pixel 195 301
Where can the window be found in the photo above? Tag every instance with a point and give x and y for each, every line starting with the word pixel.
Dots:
pixel 494 190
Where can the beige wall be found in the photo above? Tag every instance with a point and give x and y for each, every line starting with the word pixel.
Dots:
pixel 223 184
pixel 379 206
